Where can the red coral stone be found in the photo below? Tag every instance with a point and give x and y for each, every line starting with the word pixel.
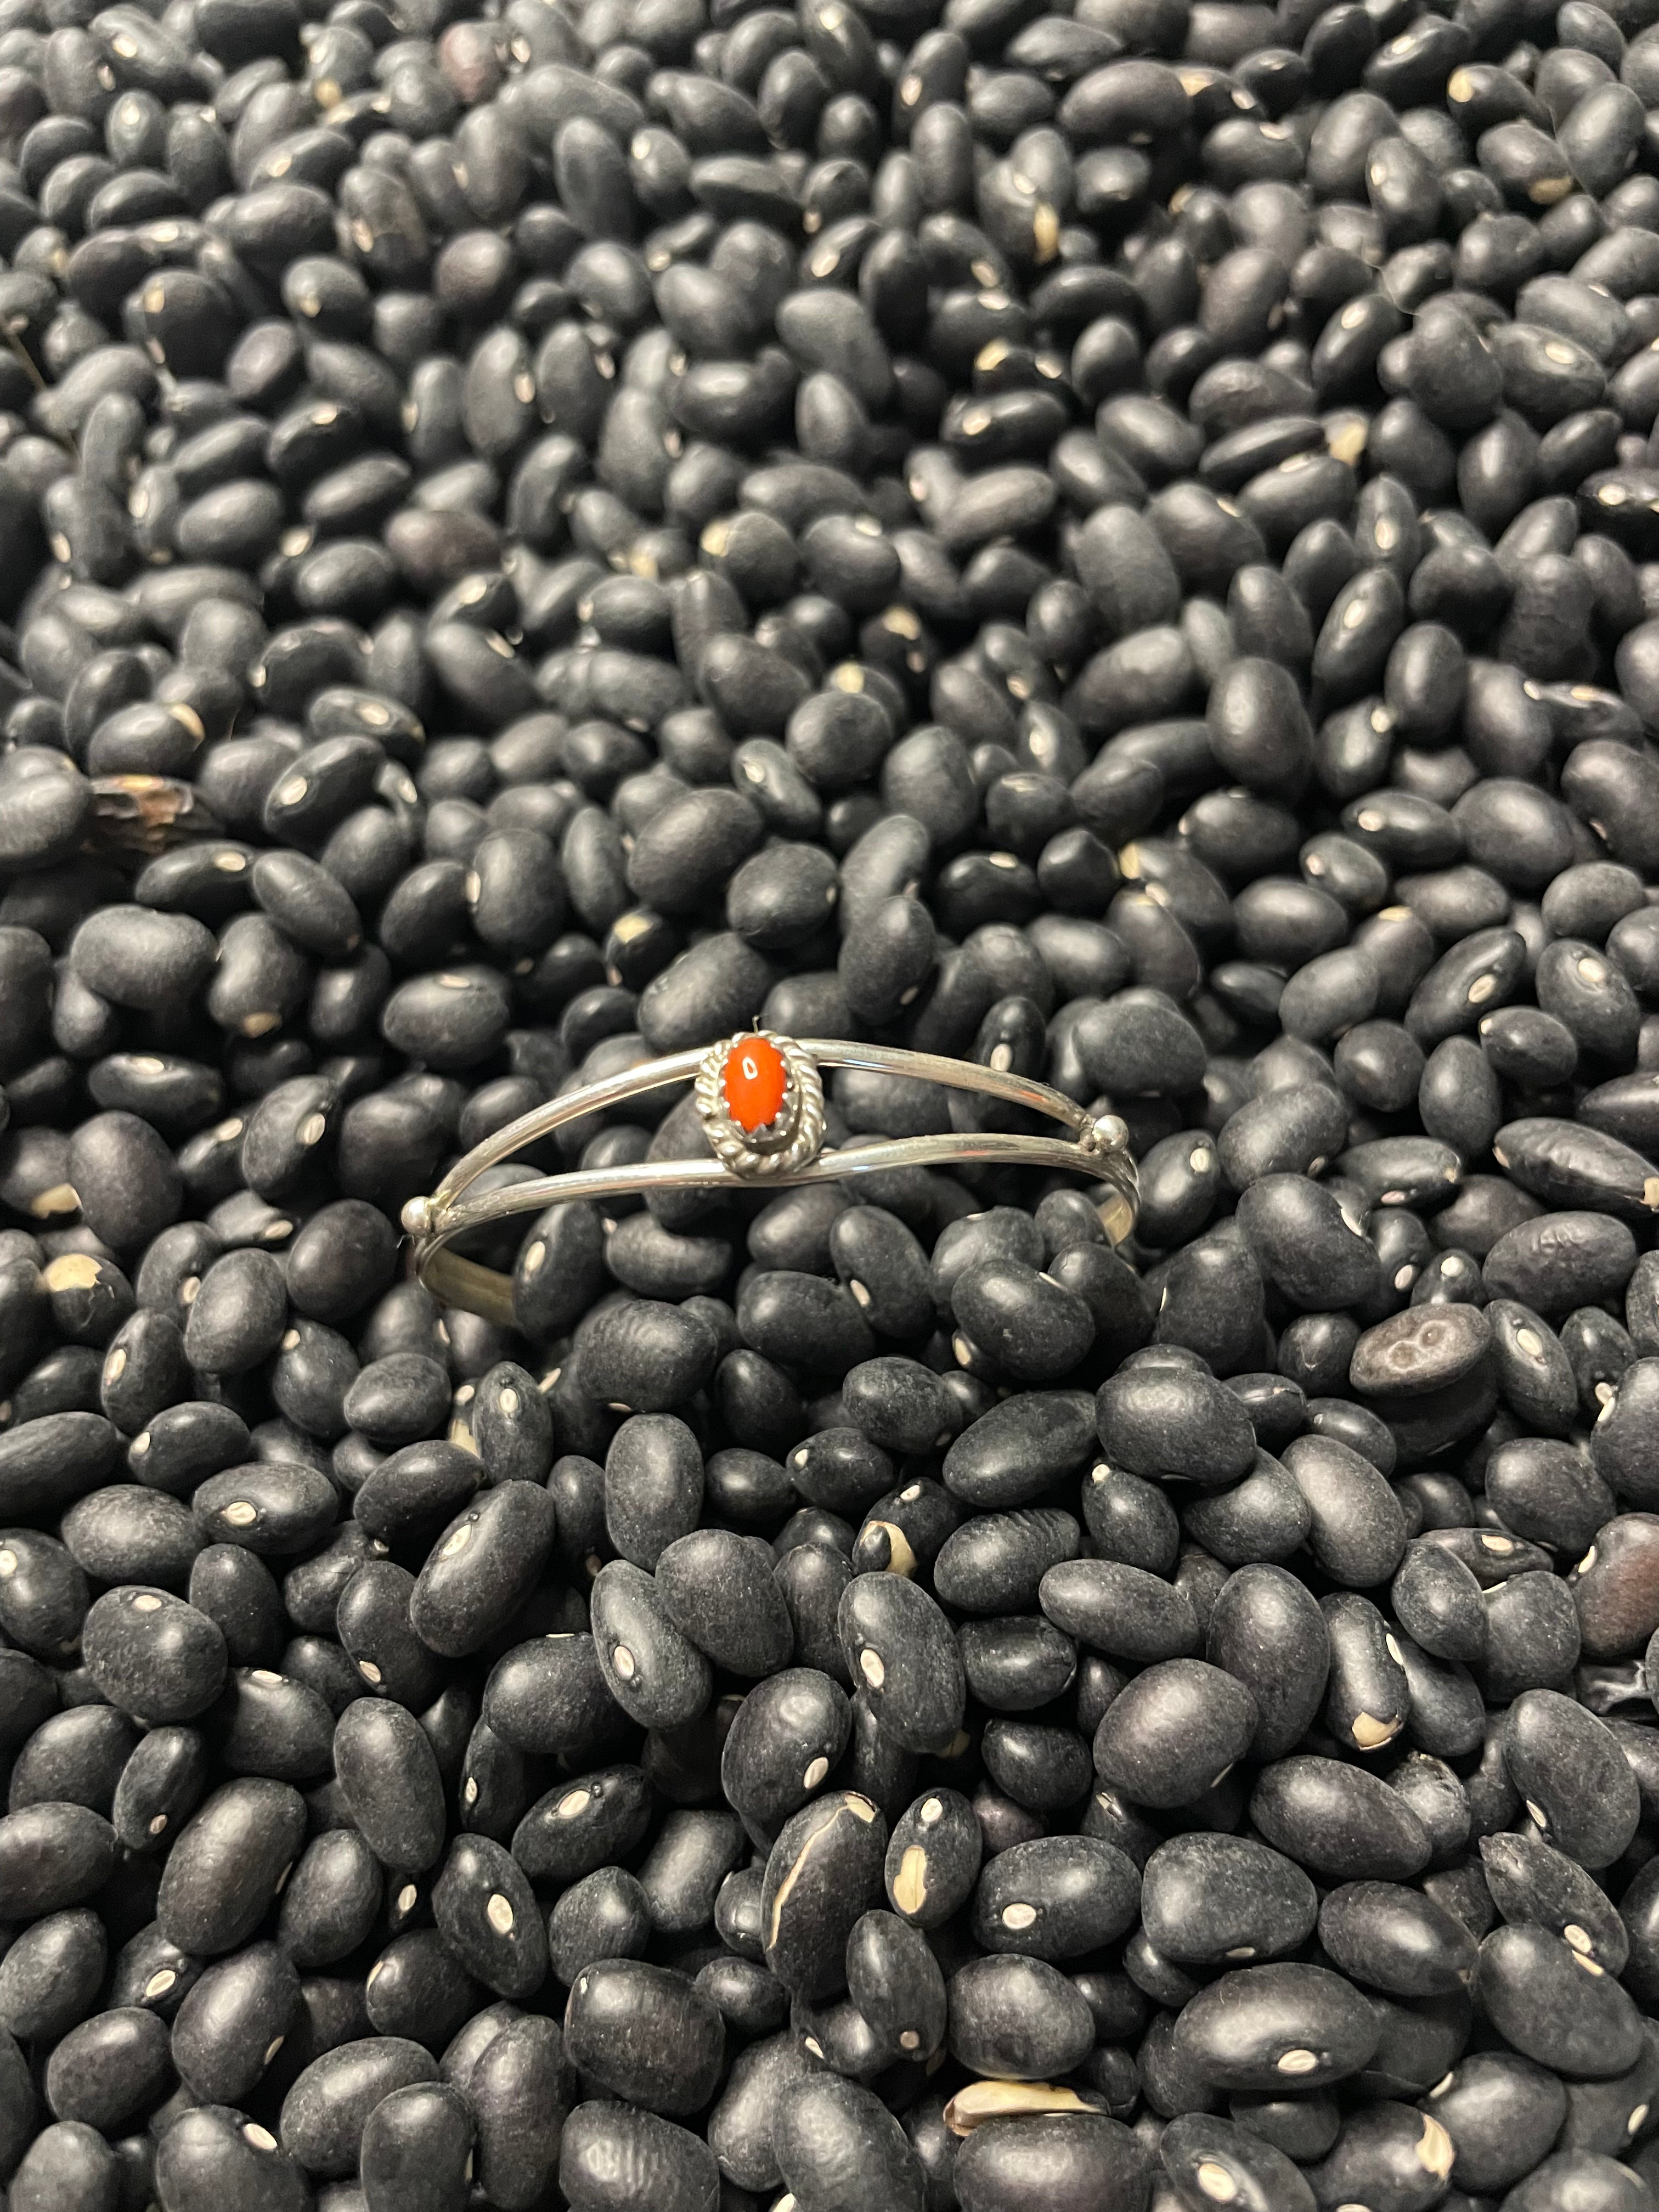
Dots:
pixel 756 1080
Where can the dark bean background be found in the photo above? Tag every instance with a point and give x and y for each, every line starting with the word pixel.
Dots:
pixel 1120 542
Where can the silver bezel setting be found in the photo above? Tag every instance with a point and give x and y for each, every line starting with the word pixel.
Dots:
pixel 791 1140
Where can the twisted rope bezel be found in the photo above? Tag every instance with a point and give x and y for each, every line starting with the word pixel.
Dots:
pixel 794 1136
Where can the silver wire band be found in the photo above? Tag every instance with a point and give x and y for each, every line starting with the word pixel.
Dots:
pixel 786 1153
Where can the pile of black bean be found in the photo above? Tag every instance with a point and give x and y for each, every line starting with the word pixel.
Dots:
pixel 1116 540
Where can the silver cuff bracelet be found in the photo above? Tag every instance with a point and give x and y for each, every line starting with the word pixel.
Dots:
pixel 760 1100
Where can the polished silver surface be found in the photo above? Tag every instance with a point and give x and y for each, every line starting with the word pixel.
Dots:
pixel 788 1151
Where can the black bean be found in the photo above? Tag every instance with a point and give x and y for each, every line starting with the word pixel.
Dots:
pixel 1122 1610
pixel 1310 1247
pixel 154 1654
pixel 278 1507
pixel 645 2034
pixel 1055 1898
pixel 1057 2158
pixel 76 1755
pixel 837 2143
pixel 482 1567
pixel 513 2077
pixel 1018 2019
pixel 650 1668
pixel 1532 1883
pixel 1531 1638
pixel 238 1314
pixel 608 2155
pixel 324 2115
pixel 109 2067
pixel 1205 1899
pixel 1544 1995
pixel 740 2127
pixel 1025 1323
pixel 330 1900
pixel 550 1696
pixel 604 1916
pixel 653 1486
pixel 898 1648
pixel 1263 2027
pixel 417 2145
pixel 68 2163
pixel 1555 1752
pixel 820 1874
pixel 646 1357
pixel 1390 1937
pixel 486 1914
pixel 1014 1452
pixel 1610 1587
pixel 389 1779
pixel 48 1462
pixel 412 1491
pixel 681 1879
pixel 235 2020
pixel 236 1588
pixel 750 1633
pixel 51 1977
pixel 1167 1421
pixel 44 1597
pixel 136 957
pixel 228 1864
pixel 1309 1807
pixel 1359 1529
pixel 1174 1732
pixel 1502 2112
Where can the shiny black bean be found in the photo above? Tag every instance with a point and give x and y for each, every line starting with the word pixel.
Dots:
pixel 1337 1820
pixel 1556 1752
pixel 154 1654
pixel 642 2031
pixel 653 1670
pixel 831 2135
pixel 1017 2018
pixel 1531 1883
pixel 1057 2158
pixel 481 1567
pixel 1546 1995
pixel 486 1914
pixel 330 1900
pixel 235 2020
pixel 1055 1898
pixel 1263 2027
pixel 1205 1899
pixel 416 2146
pixel 898 1648
pixel 1174 1732
pixel 228 1865
pixel 51 1977
pixel 325 2113
pixel 389 1778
